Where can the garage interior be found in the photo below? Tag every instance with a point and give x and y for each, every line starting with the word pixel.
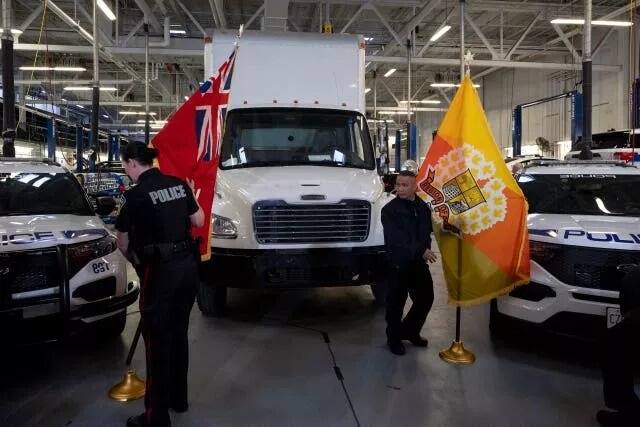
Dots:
pixel 318 356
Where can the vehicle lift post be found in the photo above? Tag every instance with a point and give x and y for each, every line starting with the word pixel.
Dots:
pixel 575 115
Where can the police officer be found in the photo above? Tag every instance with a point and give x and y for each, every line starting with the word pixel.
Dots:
pixel 620 349
pixel 407 237
pixel 154 233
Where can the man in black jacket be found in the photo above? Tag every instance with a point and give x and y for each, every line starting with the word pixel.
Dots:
pixel 407 237
pixel 620 349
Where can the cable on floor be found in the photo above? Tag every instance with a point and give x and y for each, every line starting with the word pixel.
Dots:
pixel 336 368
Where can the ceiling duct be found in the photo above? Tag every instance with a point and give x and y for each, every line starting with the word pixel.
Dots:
pixel 276 13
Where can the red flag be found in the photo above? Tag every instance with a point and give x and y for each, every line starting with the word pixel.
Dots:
pixel 189 143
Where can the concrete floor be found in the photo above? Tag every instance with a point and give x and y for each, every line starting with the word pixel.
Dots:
pixel 268 364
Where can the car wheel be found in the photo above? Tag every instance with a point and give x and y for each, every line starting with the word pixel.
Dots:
pixel 379 291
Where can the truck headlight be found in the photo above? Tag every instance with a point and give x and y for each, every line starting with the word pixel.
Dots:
pixel 80 254
pixel 223 228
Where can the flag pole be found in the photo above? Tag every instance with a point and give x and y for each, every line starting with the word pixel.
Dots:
pixel 456 353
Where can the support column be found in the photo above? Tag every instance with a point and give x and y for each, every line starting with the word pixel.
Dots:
pixel 146 82
pixel 585 153
pixel 51 138
pixel 95 98
pixel 79 146
pixel 8 88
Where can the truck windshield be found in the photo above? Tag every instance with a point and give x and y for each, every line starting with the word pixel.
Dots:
pixel 285 137
pixel 24 193
pixel 582 194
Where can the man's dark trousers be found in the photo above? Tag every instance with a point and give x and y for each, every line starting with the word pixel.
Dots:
pixel 166 300
pixel 415 281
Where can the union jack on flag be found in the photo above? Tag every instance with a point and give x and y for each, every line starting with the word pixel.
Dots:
pixel 189 144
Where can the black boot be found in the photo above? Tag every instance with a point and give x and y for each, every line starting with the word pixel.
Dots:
pixel 417 340
pixel 396 347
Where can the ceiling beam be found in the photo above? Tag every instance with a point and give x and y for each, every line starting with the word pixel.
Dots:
pixel 144 7
pixel 191 17
pixel 567 43
pixel 490 63
pixel 480 34
pixel 355 16
pixel 385 22
pixel 524 34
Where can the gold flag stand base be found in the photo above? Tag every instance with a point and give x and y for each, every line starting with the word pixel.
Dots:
pixel 130 388
pixel 458 354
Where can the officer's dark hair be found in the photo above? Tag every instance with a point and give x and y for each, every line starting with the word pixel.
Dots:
pixel 407 173
pixel 139 152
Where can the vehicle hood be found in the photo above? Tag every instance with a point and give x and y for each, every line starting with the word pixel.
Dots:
pixel 41 231
pixel 290 183
pixel 586 230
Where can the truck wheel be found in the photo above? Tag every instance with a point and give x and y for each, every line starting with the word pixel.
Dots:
pixel 379 291
pixel 113 326
pixel 212 299
pixel 498 322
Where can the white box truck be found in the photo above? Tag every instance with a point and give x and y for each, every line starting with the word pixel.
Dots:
pixel 298 197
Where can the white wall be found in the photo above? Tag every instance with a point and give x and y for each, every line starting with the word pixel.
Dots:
pixel 501 91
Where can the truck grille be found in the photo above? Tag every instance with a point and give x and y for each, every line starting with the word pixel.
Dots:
pixel 27 271
pixel 279 222
pixel 592 268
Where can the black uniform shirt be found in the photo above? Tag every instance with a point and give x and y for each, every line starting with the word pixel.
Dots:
pixel 407 231
pixel 157 210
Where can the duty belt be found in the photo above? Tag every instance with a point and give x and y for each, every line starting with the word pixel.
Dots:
pixel 165 250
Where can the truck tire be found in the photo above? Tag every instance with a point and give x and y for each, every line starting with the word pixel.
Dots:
pixel 498 323
pixel 212 299
pixel 379 291
pixel 112 326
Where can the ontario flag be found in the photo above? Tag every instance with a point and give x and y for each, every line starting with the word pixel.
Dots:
pixel 479 212
pixel 189 143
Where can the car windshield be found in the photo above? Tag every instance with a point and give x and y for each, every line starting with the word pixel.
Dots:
pixel 25 193
pixel 582 194
pixel 284 137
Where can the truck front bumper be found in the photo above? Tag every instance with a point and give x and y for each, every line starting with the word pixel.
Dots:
pixel 295 268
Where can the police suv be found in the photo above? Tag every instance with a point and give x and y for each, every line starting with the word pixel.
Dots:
pixel 59 266
pixel 584 229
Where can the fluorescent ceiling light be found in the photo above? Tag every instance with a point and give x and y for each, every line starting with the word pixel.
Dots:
pixel 394 112
pixel 367 90
pixel 14 31
pixel 368 39
pixel 186 98
pixel 43 68
pixel 80 106
pixel 88 88
pixel 105 116
pixel 442 85
pixel 24 68
pixel 106 10
pixel 154 122
pixel 424 101
pixel 391 71
pixel 177 32
pixel 578 21
pixel 441 32
pixel 78 69
pixel 136 113
pixel 474 85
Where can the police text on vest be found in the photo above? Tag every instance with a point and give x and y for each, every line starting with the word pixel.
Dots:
pixel 167 194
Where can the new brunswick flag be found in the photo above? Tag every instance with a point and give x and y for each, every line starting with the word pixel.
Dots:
pixel 479 212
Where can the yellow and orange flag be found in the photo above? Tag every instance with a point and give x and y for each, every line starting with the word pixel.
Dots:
pixel 479 212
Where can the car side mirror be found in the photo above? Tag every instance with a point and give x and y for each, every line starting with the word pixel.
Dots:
pixel 105 205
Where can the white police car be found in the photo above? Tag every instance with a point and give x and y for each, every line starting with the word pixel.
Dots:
pixel 584 228
pixel 59 266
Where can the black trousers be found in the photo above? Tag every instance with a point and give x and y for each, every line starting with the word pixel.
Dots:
pixel 619 357
pixel 415 282
pixel 167 296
